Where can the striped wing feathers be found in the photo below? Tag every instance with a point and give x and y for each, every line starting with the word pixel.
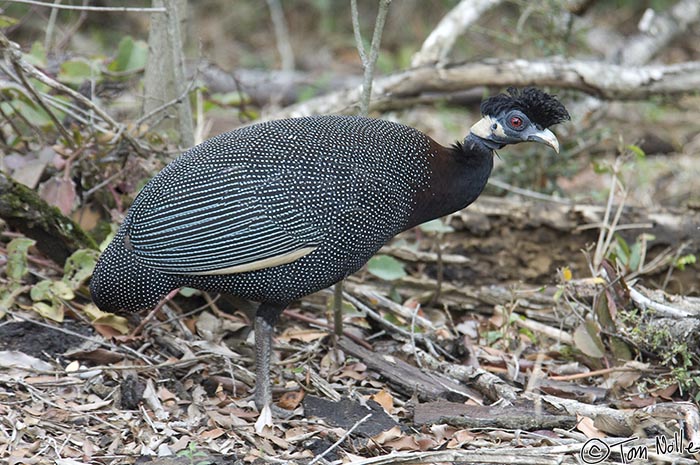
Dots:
pixel 222 226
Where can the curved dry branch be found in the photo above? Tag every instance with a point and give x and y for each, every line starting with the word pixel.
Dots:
pixel 428 84
pixel 441 41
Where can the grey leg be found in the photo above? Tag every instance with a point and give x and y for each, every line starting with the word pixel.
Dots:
pixel 263 351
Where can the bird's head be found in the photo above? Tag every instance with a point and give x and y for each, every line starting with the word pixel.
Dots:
pixel 121 284
pixel 521 116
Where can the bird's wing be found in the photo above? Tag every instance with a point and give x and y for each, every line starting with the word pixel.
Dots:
pixel 214 220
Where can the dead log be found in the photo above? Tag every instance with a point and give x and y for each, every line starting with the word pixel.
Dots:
pixel 430 84
pixel 499 417
pixel 408 379
pixel 56 235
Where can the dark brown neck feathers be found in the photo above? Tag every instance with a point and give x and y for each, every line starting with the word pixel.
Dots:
pixel 458 175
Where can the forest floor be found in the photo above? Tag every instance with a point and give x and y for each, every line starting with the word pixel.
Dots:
pixel 554 321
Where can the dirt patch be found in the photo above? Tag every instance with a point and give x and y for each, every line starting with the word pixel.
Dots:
pixel 41 341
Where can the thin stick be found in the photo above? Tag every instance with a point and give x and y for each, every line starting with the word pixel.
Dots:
pixel 368 65
pixel 90 8
pixel 313 321
pixel 369 62
pixel 341 439
pixel 14 54
pixel 50 29
pixel 166 105
pixel 529 193
pixel 37 97
pixel 279 24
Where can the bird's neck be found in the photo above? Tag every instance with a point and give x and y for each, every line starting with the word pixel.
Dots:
pixel 458 175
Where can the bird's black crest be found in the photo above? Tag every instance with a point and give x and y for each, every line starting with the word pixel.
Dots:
pixel 543 109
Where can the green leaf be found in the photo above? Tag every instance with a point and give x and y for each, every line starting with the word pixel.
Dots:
pixel 78 267
pixel 587 339
pixel 98 317
pixel 436 226
pixel 52 312
pixel 686 260
pixel 131 55
pixel 601 168
pixel 62 290
pixel 17 251
pixel 7 21
pixel 41 291
pixel 620 349
pixel 233 99
pixel 637 151
pixel 37 55
pixel 386 268
pixel 635 256
pixel 492 336
pixel 35 115
pixel 75 71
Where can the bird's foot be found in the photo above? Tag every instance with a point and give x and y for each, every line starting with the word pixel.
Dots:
pixel 277 412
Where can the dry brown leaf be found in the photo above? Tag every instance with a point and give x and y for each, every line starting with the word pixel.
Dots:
pixel 165 395
pixel 291 400
pixel 626 378
pixel 585 425
pixel 384 399
pixel 403 443
pixel 97 356
pixel 309 335
pixel 87 217
pixel 59 192
pixel 460 438
pixel 426 443
pixel 352 374
pixel 443 432
pixel 211 434
pixel 92 406
pixel 30 173
pixel 389 435
pixel 666 393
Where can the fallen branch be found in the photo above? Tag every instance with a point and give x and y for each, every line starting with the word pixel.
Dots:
pixel 14 55
pixel 442 39
pixel 408 379
pixel 341 439
pixel 430 84
pixel 56 235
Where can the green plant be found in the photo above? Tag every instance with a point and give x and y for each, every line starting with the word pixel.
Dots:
pixel 192 454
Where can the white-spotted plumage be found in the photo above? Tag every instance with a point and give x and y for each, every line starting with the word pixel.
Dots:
pixel 340 185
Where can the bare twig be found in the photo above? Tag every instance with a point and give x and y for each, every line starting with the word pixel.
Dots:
pixel 441 40
pixel 643 302
pixel 40 101
pixel 51 28
pixel 284 46
pixel 369 62
pixel 429 84
pixel 166 105
pixel 14 54
pixel 528 193
pixel 122 9
pixel 368 65
pixel 341 439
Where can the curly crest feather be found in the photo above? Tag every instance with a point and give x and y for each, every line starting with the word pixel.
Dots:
pixel 543 109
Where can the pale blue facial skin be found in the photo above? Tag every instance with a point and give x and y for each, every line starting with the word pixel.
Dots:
pixel 512 127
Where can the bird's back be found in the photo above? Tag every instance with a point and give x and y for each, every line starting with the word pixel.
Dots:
pixel 276 210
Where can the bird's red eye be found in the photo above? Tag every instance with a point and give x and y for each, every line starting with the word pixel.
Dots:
pixel 516 122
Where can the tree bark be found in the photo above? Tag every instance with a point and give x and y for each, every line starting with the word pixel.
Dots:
pixel 164 79
pixel 56 235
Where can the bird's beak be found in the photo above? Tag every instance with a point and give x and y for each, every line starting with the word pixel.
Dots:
pixel 547 137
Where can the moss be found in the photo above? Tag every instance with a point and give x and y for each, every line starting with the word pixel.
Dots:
pixel 57 236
